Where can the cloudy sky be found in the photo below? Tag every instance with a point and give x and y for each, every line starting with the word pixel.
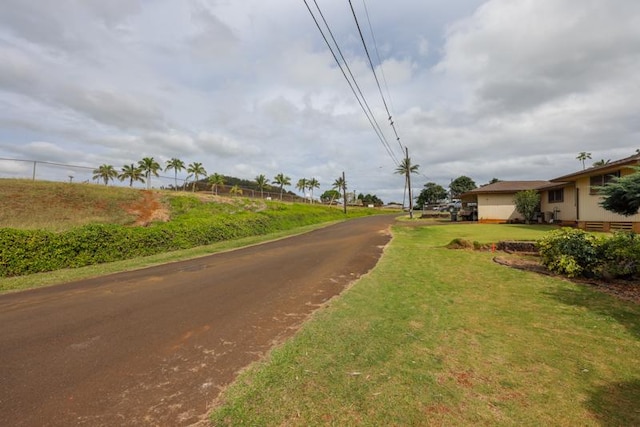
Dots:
pixel 512 89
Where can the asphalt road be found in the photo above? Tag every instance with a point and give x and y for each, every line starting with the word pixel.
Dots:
pixel 156 346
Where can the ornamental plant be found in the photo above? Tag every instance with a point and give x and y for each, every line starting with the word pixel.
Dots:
pixel 569 251
pixel 619 255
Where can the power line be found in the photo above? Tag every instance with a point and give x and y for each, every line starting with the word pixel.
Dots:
pixel 373 70
pixel 363 103
pixel 384 79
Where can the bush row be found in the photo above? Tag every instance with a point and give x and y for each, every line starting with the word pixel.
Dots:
pixel 32 251
pixel 576 253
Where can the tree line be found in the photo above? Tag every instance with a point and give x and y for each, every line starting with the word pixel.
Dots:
pixel 148 167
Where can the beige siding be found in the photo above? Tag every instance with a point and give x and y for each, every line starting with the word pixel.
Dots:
pixel 590 210
pixel 497 207
pixel 566 210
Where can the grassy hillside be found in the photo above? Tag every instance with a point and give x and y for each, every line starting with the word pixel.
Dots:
pixel 47 226
pixel 57 206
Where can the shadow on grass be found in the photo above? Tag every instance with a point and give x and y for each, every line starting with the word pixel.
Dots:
pixel 616 404
pixel 624 312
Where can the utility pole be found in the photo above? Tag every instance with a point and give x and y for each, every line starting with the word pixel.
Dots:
pixel 408 172
pixel 344 193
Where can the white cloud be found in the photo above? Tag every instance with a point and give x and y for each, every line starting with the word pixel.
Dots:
pixel 512 89
pixel 423 46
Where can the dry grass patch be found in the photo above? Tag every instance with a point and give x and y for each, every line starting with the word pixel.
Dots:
pixel 57 206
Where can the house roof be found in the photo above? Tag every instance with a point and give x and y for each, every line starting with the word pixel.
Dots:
pixel 596 170
pixel 510 187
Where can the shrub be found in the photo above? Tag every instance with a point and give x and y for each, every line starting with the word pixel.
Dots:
pixel 619 255
pixel 569 251
pixel 32 251
pixel 527 203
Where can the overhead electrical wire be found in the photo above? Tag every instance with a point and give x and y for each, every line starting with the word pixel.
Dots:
pixel 357 93
pixel 384 79
pixel 373 70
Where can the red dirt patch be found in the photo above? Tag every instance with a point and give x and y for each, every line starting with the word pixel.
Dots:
pixel 148 209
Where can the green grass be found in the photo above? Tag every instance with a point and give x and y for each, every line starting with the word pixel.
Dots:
pixel 435 336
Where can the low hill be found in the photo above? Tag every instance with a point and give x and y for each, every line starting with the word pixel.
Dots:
pixel 58 206
pixel 47 226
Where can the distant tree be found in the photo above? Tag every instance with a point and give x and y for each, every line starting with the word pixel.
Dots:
pixel 341 184
pixel 216 180
pixel 527 204
pixel 601 162
pixel 197 170
pixel 132 173
pixel 582 157
pixel 493 181
pixel 235 190
pixel 262 183
pixel 431 193
pixel 302 185
pixel 622 195
pixel 149 167
pixel 330 195
pixel 282 181
pixel 406 168
pixel 177 165
pixel 370 199
pixel 460 185
pixel 106 173
pixel 186 180
pixel 311 185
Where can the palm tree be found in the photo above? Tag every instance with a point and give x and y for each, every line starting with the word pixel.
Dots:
pixel 105 173
pixel 602 162
pixel 282 180
pixel 311 184
pixel 302 185
pixel 235 190
pixel 132 173
pixel 341 184
pixel 582 156
pixel 216 180
pixel 177 165
pixel 262 182
pixel 149 167
pixel 406 168
pixel 197 170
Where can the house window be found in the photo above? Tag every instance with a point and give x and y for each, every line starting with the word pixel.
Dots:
pixel 600 180
pixel 556 196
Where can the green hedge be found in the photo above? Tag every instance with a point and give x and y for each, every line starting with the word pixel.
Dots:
pixel 576 253
pixel 32 251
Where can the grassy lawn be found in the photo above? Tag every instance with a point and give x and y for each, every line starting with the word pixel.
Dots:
pixel 435 336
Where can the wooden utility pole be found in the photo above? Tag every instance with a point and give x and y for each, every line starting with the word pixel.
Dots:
pixel 408 172
pixel 344 193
